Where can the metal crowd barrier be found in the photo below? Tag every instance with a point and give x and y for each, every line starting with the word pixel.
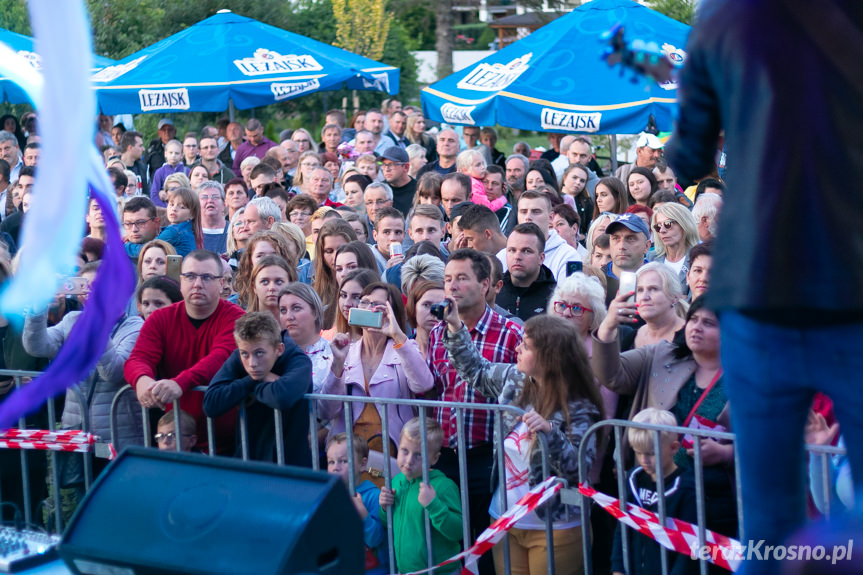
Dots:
pixel 618 426
pixel 569 494
pixel 73 394
pixel 423 407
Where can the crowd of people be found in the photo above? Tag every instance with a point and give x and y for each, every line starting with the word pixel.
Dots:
pixel 391 261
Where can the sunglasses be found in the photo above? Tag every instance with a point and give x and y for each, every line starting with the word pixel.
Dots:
pixel 666 224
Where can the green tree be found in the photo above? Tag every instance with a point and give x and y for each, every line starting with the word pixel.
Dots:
pixel 680 10
pixel 14 16
pixel 122 27
pixel 362 26
pixel 418 19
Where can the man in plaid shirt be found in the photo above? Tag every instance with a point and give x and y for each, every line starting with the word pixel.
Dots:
pixel 467 279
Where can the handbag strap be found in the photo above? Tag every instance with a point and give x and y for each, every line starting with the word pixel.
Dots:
pixel 703 396
pixel 834 34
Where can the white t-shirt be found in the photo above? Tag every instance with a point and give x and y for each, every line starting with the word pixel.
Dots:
pixel 516 448
pixel 676 266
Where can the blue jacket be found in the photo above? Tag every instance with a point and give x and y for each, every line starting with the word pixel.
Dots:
pixel 373 531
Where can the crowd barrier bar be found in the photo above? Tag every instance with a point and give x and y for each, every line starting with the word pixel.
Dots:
pixel 618 427
pixel 73 394
pixel 461 442
pixel 422 406
pixel 568 495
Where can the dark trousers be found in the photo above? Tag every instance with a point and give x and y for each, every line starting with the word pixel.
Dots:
pixel 479 468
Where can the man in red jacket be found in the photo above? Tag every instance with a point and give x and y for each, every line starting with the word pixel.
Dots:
pixel 183 345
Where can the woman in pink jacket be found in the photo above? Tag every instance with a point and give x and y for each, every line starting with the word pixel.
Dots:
pixel 384 362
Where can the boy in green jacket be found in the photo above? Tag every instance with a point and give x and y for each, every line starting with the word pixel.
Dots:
pixel 409 497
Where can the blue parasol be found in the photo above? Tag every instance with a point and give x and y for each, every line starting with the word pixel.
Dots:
pixel 24 47
pixel 228 57
pixel 556 80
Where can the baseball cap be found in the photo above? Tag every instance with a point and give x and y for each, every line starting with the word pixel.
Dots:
pixel 649 140
pixel 630 221
pixel 165 122
pixel 395 154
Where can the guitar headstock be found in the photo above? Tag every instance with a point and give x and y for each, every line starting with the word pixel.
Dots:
pixel 643 57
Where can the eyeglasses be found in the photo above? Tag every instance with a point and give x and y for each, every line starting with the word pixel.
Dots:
pixel 368 304
pixel 214 197
pixel 137 223
pixel 205 278
pixel 666 224
pixel 169 437
pixel 575 309
pixel 389 166
pixel 296 214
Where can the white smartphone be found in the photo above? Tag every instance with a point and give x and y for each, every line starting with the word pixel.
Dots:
pixel 627 282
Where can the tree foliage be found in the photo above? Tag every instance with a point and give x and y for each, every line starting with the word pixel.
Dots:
pixel 14 17
pixel 680 10
pixel 362 26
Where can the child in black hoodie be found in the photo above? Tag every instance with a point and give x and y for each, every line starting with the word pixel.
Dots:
pixel 679 486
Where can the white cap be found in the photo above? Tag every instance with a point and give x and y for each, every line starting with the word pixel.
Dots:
pixel 649 140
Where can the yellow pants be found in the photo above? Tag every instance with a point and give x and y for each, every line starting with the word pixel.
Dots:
pixel 527 552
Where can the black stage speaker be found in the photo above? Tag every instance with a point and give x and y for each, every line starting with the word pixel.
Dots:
pixel 158 512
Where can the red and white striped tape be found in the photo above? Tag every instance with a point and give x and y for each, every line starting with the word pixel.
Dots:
pixel 675 535
pixel 44 445
pixel 62 436
pixel 488 538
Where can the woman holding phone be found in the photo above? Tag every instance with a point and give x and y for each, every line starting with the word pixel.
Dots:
pixel 384 362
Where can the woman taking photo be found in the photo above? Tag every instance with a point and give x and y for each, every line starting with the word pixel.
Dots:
pixel 658 302
pixel 350 290
pixel 685 378
pixel 385 363
pixel 553 383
